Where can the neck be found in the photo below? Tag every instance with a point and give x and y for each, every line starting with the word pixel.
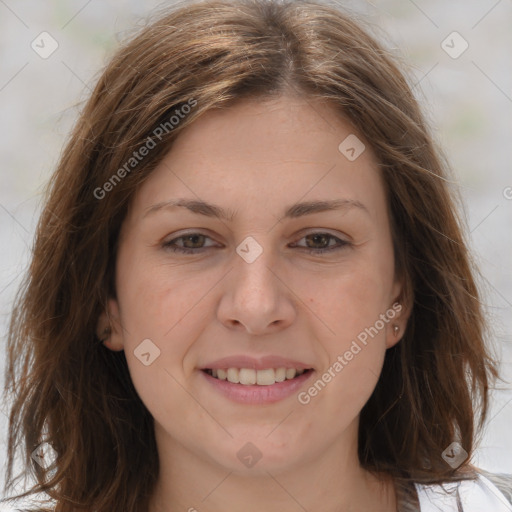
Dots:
pixel 332 482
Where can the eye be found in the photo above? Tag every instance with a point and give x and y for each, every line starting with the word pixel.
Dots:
pixel 193 243
pixel 323 240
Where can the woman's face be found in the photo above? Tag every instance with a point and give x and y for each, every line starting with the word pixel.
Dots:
pixel 269 185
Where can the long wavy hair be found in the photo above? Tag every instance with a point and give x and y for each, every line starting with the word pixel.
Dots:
pixel 69 391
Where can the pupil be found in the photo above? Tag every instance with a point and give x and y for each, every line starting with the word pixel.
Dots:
pixel 192 237
pixel 319 238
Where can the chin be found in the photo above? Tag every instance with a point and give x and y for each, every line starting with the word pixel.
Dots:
pixel 258 455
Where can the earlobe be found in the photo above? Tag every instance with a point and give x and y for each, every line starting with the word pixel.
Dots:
pixel 398 312
pixel 108 328
pixel 398 316
pixel 393 336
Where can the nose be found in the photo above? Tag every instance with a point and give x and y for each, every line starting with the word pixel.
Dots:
pixel 256 299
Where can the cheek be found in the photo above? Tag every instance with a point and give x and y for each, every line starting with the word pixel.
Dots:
pixel 347 301
pixel 352 360
pixel 158 300
pixel 354 374
pixel 351 335
pixel 162 307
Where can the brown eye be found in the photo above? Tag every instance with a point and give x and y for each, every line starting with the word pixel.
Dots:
pixel 317 243
pixel 190 243
pixel 193 240
pixel 194 243
pixel 321 239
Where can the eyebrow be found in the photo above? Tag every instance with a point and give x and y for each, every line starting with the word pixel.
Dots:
pixel 294 211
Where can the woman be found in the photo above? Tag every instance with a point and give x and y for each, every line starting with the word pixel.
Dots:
pixel 249 287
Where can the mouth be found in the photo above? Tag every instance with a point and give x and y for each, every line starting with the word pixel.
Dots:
pixel 249 386
pixel 252 377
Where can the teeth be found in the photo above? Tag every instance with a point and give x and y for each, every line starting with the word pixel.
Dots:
pixel 290 373
pixel 250 377
pixel 233 375
pixel 266 377
pixel 280 374
pixel 247 376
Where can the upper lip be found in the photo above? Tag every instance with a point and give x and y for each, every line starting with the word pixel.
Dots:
pixel 260 363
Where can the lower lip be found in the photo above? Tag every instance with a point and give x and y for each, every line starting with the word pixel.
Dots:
pixel 243 394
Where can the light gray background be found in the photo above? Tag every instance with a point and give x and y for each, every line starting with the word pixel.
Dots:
pixel 468 100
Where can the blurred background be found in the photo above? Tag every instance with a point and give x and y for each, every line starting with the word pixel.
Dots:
pixel 458 58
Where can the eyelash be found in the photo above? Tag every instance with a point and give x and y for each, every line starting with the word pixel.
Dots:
pixel 174 248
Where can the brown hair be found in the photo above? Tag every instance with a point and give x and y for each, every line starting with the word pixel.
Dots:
pixel 71 391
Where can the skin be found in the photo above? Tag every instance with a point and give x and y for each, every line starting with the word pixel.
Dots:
pixel 257 158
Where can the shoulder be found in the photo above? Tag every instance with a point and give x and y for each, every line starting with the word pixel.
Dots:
pixel 487 491
pixel 502 481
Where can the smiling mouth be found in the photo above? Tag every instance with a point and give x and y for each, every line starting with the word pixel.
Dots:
pixel 251 377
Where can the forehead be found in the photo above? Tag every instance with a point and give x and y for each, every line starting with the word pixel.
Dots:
pixel 260 153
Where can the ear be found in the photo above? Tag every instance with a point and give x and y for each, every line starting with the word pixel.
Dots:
pixel 108 328
pixel 398 313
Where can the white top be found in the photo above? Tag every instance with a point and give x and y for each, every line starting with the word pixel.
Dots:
pixel 479 495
